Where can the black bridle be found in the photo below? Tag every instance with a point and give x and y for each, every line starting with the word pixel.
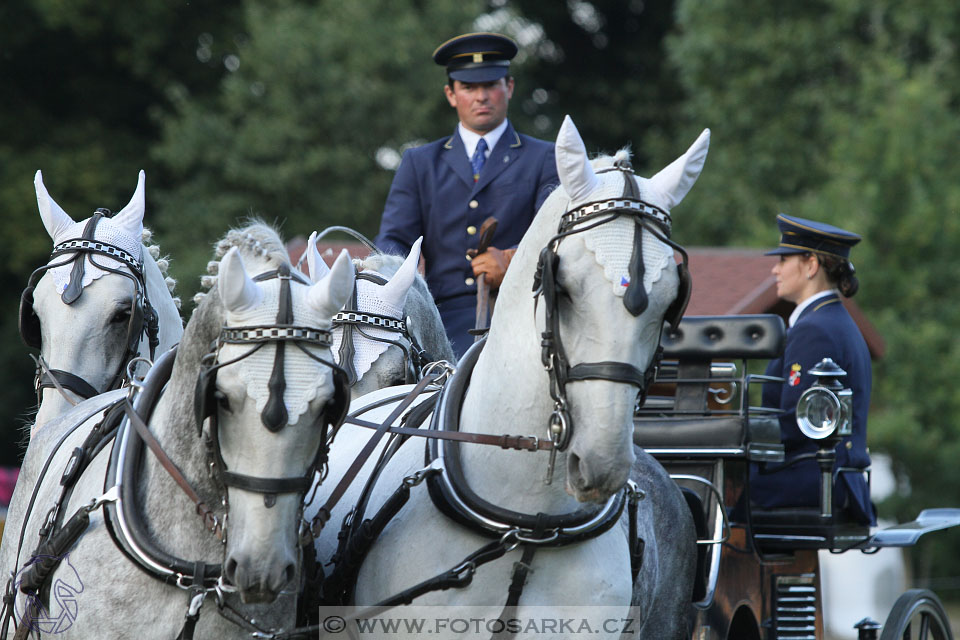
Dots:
pixel 143 317
pixel 351 319
pixel 553 355
pixel 274 415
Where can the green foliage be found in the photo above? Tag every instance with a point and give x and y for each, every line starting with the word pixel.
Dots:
pixel 846 112
pixel 319 90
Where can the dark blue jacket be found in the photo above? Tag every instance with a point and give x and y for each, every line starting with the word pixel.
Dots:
pixel 433 194
pixel 823 330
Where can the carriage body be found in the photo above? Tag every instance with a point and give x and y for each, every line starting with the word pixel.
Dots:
pixel 758 572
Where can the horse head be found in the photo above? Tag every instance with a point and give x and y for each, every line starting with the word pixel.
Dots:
pixel 391 328
pixel 94 306
pixel 612 278
pixel 276 397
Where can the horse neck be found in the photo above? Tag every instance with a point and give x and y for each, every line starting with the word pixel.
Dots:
pixel 509 394
pixel 171 325
pixel 164 506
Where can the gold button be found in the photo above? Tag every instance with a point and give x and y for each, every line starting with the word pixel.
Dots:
pixel 849 445
pixel 474 204
pixel 469 258
pixel 472 230
pixel 469 281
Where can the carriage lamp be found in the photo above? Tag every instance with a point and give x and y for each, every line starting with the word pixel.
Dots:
pixel 826 408
pixel 825 414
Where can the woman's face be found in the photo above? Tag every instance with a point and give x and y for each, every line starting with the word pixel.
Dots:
pixel 791 274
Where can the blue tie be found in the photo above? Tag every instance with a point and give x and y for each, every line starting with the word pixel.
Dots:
pixel 479 157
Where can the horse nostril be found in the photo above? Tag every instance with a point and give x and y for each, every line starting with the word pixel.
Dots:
pixel 230 570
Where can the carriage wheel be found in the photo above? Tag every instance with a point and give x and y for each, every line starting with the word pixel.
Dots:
pixel 917 615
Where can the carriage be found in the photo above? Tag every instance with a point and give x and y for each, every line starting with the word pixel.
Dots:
pixel 758 573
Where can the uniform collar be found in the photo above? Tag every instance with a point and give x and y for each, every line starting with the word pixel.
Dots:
pixel 471 139
pixel 803 306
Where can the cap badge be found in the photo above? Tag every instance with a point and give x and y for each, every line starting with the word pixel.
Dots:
pixel 478 57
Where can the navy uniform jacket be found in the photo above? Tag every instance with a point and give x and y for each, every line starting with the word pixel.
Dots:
pixel 433 194
pixel 823 330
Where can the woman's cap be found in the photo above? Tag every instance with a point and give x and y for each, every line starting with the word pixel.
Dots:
pixel 798 235
pixel 476 57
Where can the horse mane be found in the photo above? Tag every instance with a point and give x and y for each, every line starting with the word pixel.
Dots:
pixel 152 252
pixel 605 161
pixel 257 238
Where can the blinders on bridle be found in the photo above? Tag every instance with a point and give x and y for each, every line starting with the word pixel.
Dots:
pixel 351 319
pixel 553 355
pixel 207 398
pixel 143 317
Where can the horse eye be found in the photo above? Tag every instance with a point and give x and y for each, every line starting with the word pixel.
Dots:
pixel 122 315
pixel 222 401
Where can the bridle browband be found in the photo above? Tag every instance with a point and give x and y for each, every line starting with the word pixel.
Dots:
pixel 274 415
pixel 553 356
pixel 143 317
pixel 351 320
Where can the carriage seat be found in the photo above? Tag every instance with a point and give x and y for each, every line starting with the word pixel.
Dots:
pixel 704 338
pixel 682 425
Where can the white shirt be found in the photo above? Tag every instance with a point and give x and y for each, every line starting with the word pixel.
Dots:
pixel 471 139
pixel 806 303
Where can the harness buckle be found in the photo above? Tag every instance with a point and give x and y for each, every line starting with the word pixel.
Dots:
pixel 510 546
pixel 111 495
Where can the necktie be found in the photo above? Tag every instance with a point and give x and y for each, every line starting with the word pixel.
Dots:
pixel 479 157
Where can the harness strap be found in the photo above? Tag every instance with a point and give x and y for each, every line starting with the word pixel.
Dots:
pixel 611 371
pixel 267 485
pixel 323 515
pixel 75 286
pixel 520 571
pixel 210 520
pixel 62 381
pixel 522 443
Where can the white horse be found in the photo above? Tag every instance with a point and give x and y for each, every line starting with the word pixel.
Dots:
pixel 270 391
pixel 391 325
pixel 91 309
pixel 605 317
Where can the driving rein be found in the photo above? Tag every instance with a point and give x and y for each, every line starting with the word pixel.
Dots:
pixel 143 317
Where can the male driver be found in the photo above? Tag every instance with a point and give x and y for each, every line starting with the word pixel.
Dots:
pixel 445 189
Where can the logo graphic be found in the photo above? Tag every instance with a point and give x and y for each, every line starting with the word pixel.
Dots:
pixel 63 599
pixel 624 281
pixel 794 378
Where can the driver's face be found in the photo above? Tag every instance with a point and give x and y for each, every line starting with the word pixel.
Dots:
pixel 481 106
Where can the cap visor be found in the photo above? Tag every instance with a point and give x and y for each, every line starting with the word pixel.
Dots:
pixel 785 251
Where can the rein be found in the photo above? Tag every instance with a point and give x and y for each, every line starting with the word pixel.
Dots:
pixel 143 317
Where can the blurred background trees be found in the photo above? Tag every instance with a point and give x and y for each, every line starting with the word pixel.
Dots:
pixel 841 110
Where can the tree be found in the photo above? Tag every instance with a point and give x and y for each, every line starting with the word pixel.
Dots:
pixel 307 128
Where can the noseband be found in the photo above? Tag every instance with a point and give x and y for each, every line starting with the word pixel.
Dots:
pixel 274 416
pixel 143 317
pixel 352 319
pixel 553 355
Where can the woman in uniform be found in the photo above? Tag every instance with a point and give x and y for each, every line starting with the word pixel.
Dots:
pixel 814 271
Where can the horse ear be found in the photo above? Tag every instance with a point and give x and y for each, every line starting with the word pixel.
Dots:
pixel 330 294
pixel 55 220
pixel 573 166
pixel 674 181
pixel 237 290
pixel 318 268
pixel 131 216
pixel 395 291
